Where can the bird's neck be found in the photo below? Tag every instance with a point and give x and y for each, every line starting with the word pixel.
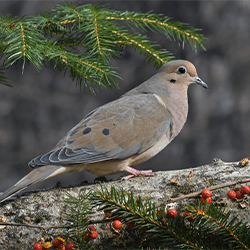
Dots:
pixel 172 97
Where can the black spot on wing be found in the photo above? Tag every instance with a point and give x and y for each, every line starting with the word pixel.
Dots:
pixel 105 131
pixel 86 131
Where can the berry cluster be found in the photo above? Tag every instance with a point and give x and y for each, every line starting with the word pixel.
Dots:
pixel 239 194
pixel 206 196
pixel 91 233
pixel 58 242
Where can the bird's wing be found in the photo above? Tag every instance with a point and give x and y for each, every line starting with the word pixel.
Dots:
pixel 122 128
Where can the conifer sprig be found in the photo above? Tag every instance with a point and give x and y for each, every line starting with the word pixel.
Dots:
pixel 152 221
pixel 212 227
pixel 82 39
pixel 77 216
pixel 214 220
pixel 159 23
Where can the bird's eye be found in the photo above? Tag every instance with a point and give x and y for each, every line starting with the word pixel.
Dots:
pixel 182 70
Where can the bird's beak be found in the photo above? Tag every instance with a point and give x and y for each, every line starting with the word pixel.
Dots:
pixel 197 80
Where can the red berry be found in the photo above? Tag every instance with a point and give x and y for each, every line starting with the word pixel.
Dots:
pixel 117 224
pixel 206 200
pixel 131 224
pixel 245 190
pixel 58 242
pixel 70 246
pixel 191 218
pixel 239 195
pixel 231 194
pixel 171 213
pixel 62 247
pixel 38 246
pixel 206 193
pixel 93 235
pixel 162 215
pixel 91 229
pixel 85 236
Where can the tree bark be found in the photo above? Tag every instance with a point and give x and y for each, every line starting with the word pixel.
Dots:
pixel 43 210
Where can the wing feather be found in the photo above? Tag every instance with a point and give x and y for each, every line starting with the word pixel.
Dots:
pixel 127 126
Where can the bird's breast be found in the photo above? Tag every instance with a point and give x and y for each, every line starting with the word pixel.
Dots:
pixel 178 108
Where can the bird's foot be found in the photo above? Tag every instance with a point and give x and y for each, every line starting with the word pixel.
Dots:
pixel 135 172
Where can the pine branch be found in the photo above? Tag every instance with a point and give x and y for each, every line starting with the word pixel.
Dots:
pixel 146 216
pixel 159 23
pixel 83 68
pixel 77 216
pixel 160 56
pixel 214 220
pixel 24 41
pixel 84 38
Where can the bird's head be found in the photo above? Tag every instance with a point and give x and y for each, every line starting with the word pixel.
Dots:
pixel 181 73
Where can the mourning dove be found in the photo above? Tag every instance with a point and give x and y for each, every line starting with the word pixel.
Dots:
pixel 123 133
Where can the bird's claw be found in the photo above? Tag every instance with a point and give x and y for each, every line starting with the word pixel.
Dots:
pixel 135 173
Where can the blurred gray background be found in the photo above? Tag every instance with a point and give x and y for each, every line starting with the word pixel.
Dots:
pixel 43 106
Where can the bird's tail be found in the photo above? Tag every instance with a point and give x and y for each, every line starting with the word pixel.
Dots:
pixel 36 175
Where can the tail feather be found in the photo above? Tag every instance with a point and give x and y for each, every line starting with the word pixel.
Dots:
pixel 37 175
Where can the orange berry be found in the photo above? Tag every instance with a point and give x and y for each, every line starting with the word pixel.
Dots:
pixel 62 247
pixel 191 218
pixel 239 195
pixel 58 241
pixel 162 215
pixel 206 200
pixel 245 190
pixel 85 236
pixel 206 193
pixel 70 246
pixel 93 235
pixel 91 229
pixel 38 246
pixel 171 213
pixel 231 194
pixel 117 224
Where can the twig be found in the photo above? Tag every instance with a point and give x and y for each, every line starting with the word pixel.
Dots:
pixel 195 194
pixel 30 225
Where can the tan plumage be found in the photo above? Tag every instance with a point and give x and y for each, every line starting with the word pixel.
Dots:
pixel 123 133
